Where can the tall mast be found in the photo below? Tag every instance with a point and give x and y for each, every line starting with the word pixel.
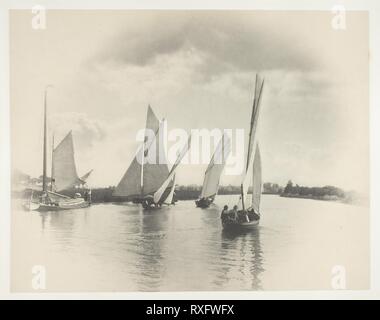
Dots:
pixel 223 148
pixel 44 146
pixel 44 182
pixel 252 121
pixel 253 126
pixel 52 165
pixel 142 168
pixel 249 140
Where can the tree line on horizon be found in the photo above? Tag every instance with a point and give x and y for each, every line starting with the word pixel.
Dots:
pixel 325 192
pixel 192 192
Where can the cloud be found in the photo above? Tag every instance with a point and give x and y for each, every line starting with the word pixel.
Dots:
pixel 85 130
pixel 197 69
pixel 224 43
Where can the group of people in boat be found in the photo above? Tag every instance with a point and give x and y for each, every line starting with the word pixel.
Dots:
pixel 238 216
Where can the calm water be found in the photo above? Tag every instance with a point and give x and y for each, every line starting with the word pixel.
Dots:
pixel 110 247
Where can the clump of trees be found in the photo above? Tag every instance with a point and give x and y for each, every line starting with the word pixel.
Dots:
pixel 272 188
pixel 192 192
pixel 325 193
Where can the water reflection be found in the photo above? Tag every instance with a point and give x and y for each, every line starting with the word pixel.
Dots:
pixel 110 247
pixel 64 229
pixel 245 247
pixel 158 247
pixel 150 260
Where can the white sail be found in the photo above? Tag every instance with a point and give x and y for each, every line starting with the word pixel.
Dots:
pixel 247 182
pixel 256 183
pixel 130 183
pixel 64 169
pixel 159 193
pixel 215 167
pixel 247 176
pixel 141 180
pixel 169 199
pixel 254 118
pixel 154 174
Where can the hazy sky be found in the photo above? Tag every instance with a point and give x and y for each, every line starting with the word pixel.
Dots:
pixel 197 70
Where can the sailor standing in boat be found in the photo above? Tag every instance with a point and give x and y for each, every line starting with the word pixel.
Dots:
pixel 253 215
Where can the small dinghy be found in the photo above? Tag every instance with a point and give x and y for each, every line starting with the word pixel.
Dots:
pixel 242 217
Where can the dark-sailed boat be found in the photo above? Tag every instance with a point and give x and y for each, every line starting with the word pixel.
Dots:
pixel 64 176
pixel 246 215
pixel 213 172
pixel 151 184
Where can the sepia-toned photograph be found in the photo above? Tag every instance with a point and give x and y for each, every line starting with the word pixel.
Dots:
pixel 180 150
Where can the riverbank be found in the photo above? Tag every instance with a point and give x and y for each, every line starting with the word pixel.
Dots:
pixel 312 197
pixel 353 199
pixel 183 193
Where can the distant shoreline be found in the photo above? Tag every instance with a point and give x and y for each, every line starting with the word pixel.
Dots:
pixel 104 195
pixel 311 197
pixel 345 200
pixel 192 192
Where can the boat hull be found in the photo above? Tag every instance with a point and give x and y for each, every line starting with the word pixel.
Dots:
pixel 241 225
pixel 62 205
pixel 148 203
pixel 204 202
pixel 240 220
pixel 31 206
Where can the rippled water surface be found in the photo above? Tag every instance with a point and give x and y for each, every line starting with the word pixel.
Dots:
pixel 119 247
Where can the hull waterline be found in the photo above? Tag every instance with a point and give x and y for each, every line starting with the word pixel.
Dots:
pixel 241 225
pixel 70 205
pixel 203 203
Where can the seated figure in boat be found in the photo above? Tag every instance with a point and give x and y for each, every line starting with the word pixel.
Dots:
pixel 248 215
pixel 229 216
pixel 238 216
pixel 225 215
pixel 253 215
pixel 235 213
pixel 243 216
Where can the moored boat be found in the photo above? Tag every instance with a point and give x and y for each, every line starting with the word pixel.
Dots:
pixel 56 205
pixel 63 176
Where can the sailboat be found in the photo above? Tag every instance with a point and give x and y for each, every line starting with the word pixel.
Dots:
pixel 213 172
pixel 246 215
pixel 151 184
pixel 63 176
